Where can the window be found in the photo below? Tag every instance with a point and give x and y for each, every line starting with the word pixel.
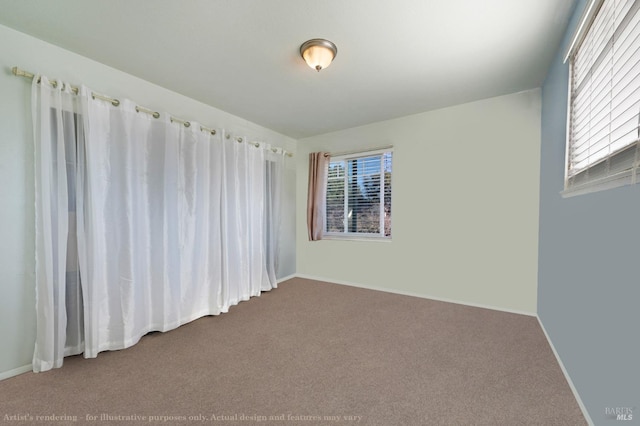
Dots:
pixel 359 195
pixel 602 149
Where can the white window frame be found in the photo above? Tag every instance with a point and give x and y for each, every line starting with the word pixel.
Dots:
pixel 620 162
pixel 361 235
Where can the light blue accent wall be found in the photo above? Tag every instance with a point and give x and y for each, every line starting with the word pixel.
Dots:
pixel 589 267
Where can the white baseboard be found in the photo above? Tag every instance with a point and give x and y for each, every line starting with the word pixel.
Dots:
pixel 408 293
pixel 585 413
pixel 288 277
pixel 15 372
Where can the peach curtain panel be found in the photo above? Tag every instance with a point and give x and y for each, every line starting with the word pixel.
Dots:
pixel 316 197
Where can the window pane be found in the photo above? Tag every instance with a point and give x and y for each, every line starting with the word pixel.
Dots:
pixel 335 197
pixel 387 194
pixel 364 195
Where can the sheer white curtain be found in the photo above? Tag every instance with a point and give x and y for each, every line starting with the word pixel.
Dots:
pixel 172 224
pixel 274 186
pixel 57 131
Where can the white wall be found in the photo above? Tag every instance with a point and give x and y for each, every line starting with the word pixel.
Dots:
pixel 464 207
pixel 17 297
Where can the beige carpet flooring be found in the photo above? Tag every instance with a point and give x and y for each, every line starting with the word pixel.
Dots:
pixel 313 353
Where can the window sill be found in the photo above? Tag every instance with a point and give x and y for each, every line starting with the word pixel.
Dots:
pixel 626 177
pixel 341 237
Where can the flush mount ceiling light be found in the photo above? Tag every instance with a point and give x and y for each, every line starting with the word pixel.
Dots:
pixel 318 53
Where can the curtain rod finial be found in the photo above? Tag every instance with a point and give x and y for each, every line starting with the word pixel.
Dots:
pixel 21 73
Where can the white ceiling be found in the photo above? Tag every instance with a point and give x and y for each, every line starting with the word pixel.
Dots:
pixel 395 58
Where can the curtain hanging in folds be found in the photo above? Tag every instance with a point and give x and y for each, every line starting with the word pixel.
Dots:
pixel 317 194
pixel 169 223
pixel 58 296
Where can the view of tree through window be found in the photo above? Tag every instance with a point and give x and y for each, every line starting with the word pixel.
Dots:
pixel 355 188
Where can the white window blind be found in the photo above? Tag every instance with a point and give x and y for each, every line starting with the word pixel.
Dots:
pixel 604 105
pixel 359 195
